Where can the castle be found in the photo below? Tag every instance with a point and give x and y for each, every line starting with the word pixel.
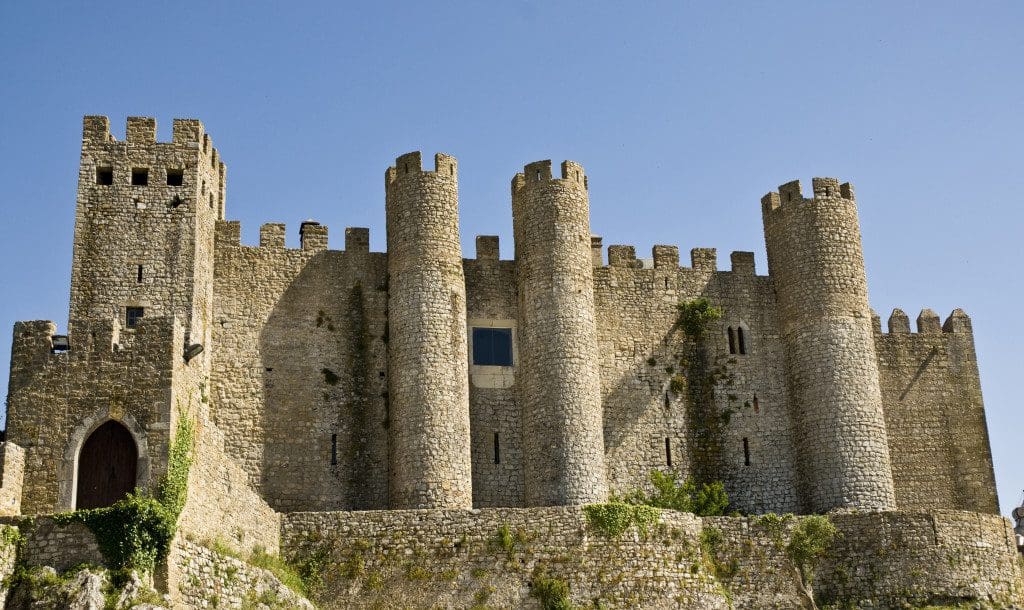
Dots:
pixel 350 380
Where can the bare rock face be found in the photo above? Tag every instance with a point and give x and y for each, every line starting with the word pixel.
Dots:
pixel 85 591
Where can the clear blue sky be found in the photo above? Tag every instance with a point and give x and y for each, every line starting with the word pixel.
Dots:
pixel 683 114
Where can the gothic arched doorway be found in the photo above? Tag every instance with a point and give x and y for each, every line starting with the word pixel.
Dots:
pixel 107 466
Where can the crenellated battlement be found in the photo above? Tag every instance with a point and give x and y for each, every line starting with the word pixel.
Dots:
pixel 313 236
pixel 141 131
pixel 411 164
pixel 822 188
pixel 667 257
pixel 927 323
pixel 539 172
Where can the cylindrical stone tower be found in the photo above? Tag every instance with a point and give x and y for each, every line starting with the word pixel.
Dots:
pixel 428 383
pixel 557 378
pixel 817 266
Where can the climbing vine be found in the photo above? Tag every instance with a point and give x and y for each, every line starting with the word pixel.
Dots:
pixel 136 532
pixel 700 377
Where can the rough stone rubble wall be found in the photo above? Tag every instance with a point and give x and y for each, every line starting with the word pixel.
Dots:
pixel 56 400
pixel 428 389
pixel 558 380
pixel 456 559
pixel 212 580
pixel 639 349
pixel 934 414
pixel 168 230
pixel 221 504
pixel 12 476
pixel 491 299
pixel 817 265
pixel 298 378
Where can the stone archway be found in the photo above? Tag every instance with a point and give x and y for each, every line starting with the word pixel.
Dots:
pixel 107 466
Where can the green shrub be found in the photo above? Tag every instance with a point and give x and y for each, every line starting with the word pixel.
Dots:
pixel 706 499
pixel 552 593
pixel 695 316
pixel 614 518
pixel 811 538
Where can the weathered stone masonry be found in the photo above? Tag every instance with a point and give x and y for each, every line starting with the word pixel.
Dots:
pixel 347 380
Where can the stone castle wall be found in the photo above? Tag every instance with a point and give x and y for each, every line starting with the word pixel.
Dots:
pixel 495 556
pixel 299 372
pixel 934 413
pixel 56 400
pixel 639 346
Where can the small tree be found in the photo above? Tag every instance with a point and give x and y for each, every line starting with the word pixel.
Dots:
pixel 810 540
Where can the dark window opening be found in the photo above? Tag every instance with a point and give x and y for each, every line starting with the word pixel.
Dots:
pixel 105 175
pixel 666 283
pixel 492 346
pixel 140 177
pixel 211 201
pixel 746 452
pixel 732 341
pixel 334 450
pixel 138 276
pixel 667 403
pixel 668 452
pixel 757 405
pixel 132 316
pixel 740 340
pixel 175 177
pixel 497 449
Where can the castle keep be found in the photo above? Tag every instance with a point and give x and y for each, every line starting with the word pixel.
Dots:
pixel 424 378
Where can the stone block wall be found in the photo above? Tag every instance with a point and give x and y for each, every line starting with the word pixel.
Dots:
pixel 934 414
pixel 495 418
pixel 212 580
pixel 495 557
pixel 12 474
pixel 221 504
pixel 46 543
pixel 640 346
pixel 298 377
pixel 492 557
pixel 56 400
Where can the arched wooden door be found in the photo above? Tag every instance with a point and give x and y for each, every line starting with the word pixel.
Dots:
pixel 106 466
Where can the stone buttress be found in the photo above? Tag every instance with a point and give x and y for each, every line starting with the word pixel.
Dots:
pixel 817 264
pixel 427 357
pixel 559 387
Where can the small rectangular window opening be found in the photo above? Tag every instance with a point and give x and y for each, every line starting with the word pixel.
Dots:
pixel 175 177
pixel 105 175
pixel 138 275
pixel 497 449
pixel 132 316
pixel 140 176
pixel 334 450
pixel 732 341
pixel 668 452
pixel 741 341
pixel 492 346
pixel 746 452
pixel 757 405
